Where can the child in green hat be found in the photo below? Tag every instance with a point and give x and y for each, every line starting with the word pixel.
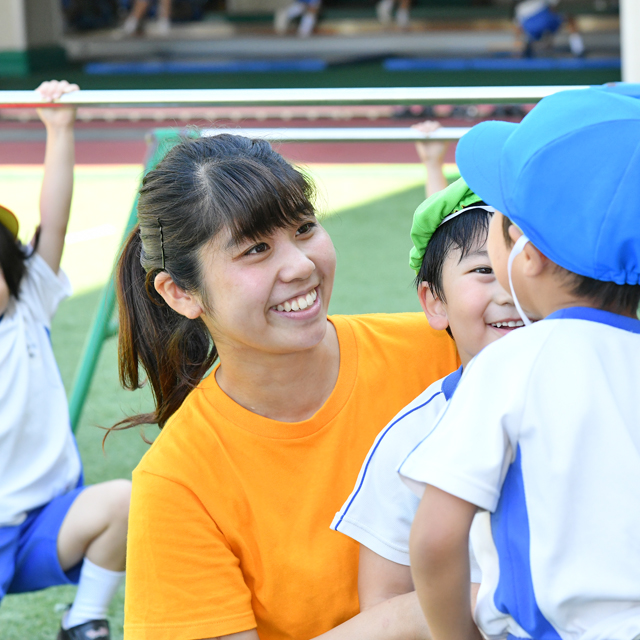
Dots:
pixel 459 293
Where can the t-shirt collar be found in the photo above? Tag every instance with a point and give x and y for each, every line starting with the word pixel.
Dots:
pixel 597 315
pixel 450 383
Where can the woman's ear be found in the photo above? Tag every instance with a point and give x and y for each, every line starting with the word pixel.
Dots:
pixel 433 308
pixel 182 302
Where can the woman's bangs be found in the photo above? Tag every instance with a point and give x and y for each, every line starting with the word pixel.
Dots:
pixel 269 201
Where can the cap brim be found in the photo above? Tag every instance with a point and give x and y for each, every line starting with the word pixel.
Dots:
pixel 478 158
pixel 8 220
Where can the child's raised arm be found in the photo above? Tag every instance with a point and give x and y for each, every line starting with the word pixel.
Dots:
pixel 431 153
pixel 57 184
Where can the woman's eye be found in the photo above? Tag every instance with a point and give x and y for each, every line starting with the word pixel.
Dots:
pixel 258 248
pixel 485 271
pixel 306 228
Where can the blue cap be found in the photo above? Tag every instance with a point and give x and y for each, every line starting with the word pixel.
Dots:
pixel 569 176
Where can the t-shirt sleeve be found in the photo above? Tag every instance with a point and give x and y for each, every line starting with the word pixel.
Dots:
pixel 42 290
pixel 469 451
pixel 379 512
pixel 183 579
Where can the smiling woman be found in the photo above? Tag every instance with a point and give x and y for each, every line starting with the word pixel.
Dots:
pixel 232 504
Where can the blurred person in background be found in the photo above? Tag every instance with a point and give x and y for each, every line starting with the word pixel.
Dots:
pixel 133 23
pixel 537 19
pixel 385 8
pixel 306 10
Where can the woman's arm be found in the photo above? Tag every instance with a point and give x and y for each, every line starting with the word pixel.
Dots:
pixel 252 634
pixel 57 184
pixel 389 606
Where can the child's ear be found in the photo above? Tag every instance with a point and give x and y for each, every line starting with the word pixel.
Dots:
pixel 182 302
pixel 534 261
pixel 433 308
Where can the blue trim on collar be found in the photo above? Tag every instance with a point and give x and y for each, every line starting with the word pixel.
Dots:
pixel 597 315
pixel 1 316
pixel 450 383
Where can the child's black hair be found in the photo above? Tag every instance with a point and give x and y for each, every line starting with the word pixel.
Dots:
pixel 462 233
pixel 12 261
pixel 617 298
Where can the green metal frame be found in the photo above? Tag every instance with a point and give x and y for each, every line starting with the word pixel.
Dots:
pixel 105 325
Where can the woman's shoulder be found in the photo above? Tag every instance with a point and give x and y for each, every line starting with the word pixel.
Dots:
pixel 408 330
pixel 187 432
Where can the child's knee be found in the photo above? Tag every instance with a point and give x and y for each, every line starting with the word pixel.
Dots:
pixel 119 492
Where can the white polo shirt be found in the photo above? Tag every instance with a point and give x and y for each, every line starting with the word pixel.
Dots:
pixel 543 434
pixel 38 456
pixel 379 512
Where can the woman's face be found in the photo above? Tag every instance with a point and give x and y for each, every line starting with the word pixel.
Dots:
pixel 271 294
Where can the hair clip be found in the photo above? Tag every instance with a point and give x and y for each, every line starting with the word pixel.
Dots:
pixel 161 243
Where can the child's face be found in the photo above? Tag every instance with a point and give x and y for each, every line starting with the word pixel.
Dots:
pixel 498 250
pixel 4 293
pixel 477 309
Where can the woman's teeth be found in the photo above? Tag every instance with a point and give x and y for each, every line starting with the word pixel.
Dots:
pixel 510 324
pixel 300 303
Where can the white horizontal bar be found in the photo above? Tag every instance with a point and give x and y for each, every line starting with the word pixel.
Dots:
pixel 346 134
pixel 256 97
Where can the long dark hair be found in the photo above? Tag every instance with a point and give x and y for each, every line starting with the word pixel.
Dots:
pixel 201 186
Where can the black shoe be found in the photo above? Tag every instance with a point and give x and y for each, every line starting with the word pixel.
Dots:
pixel 92 630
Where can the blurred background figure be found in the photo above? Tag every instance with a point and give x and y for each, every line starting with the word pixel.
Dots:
pixel 384 11
pixel 431 154
pixel 133 23
pixel 306 10
pixel 537 19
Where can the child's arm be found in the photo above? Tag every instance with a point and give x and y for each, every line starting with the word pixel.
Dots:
pixel 57 184
pixel 432 156
pixel 380 579
pixel 440 564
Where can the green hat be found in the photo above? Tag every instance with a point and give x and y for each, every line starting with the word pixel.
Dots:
pixel 434 211
pixel 9 220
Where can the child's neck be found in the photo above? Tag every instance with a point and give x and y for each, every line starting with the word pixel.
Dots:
pixel 552 293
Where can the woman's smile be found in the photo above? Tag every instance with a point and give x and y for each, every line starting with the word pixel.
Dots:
pixel 298 304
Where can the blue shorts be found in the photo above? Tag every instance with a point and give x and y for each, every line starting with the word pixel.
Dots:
pixel 546 21
pixel 29 553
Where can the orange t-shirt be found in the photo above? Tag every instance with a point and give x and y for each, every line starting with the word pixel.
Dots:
pixel 230 513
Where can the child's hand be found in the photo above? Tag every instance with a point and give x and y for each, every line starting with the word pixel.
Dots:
pixel 431 153
pixel 60 117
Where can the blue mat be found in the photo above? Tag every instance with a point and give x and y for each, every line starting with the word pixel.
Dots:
pixel 232 66
pixel 499 64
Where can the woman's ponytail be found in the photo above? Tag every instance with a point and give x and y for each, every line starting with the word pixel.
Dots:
pixel 175 352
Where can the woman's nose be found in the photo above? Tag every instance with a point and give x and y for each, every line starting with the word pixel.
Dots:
pixel 296 264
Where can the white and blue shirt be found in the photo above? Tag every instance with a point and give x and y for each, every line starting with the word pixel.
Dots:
pixel 379 512
pixel 38 456
pixel 543 434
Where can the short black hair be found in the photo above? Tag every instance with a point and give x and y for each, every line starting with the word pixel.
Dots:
pixel 462 233
pixel 617 298
pixel 12 260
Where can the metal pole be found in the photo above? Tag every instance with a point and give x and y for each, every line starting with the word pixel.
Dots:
pixel 288 97
pixel 346 134
pixel 630 39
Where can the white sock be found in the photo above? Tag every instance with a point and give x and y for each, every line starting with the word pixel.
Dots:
pixel 402 18
pixel 96 588
pixel 576 44
pixel 307 23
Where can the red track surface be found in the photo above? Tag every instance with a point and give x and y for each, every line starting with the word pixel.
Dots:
pixel 133 152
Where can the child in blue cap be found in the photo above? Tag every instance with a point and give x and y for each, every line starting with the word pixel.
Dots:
pixel 543 434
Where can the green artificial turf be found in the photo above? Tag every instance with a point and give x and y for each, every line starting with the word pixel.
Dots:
pixel 371 211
